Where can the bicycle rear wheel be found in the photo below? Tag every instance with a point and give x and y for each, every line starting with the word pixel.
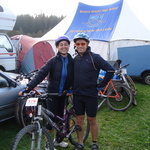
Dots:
pixel 125 98
pixel 71 124
pixel 27 139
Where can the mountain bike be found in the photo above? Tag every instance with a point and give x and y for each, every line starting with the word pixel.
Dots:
pixel 65 128
pixel 121 73
pixel 21 116
pixel 121 77
pixel 119 97
pixel 126 79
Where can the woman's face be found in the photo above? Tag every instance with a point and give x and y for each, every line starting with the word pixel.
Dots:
pixel 81 46
pixel 63 48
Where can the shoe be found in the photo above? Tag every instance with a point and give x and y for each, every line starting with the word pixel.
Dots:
pixel 79 147
pixel 61 144
pixel 94 147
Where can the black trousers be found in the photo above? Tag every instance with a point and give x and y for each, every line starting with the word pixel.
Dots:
pixel 56 105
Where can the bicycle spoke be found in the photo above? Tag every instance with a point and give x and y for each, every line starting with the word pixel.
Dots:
pixel 122 102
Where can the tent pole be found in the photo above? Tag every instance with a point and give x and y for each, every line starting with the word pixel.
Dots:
pixel 108 54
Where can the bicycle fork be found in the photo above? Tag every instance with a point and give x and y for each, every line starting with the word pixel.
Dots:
pixel 39 136
pixel 39 130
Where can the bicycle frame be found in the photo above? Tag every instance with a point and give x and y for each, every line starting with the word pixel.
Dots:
pixel 103 93
pixel 45 113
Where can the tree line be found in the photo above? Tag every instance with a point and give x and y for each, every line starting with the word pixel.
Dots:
pixel 34 26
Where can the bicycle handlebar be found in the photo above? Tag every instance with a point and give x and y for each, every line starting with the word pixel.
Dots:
pixel 45 95
pixel 125 66
pixel 118 71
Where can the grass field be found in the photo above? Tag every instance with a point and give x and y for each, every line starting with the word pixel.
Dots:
pixel 128 130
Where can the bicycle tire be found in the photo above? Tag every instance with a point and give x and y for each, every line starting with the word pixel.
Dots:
pixel 73 137
pixel 29 134
pixel 125 100
pixel 17 110
pixel 131 84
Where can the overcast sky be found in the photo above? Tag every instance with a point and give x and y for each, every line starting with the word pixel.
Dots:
pixel 63 7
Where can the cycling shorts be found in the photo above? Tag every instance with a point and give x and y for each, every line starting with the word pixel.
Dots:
pixel 85 104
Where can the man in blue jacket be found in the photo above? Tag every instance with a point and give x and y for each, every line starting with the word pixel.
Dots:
pixel 85 89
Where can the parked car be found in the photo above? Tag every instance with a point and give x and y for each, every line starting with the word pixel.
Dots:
pixel 9 89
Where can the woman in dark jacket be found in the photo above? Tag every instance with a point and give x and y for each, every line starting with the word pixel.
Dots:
pixel 59 70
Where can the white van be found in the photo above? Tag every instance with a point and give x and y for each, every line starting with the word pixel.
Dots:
pixel 7 50
pixel 7 54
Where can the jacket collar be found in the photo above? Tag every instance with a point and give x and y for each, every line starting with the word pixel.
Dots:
pixel 58 56
pixel 88 50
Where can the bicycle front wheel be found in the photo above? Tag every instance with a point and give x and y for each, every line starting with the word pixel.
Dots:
pixel 27 139
pixel 71 124
pixel 124 100
pixel 131 84
pixel 17 111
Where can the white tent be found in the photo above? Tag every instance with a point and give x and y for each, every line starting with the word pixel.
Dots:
pixel 7 19
pixel 128 31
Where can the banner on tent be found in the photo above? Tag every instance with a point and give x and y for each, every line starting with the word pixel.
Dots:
pixel 98 22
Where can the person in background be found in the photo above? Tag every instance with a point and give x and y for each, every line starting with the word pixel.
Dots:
pixel 85 88
pixel 59 70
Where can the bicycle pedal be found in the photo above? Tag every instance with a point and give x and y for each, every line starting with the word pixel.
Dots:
pixel 78 128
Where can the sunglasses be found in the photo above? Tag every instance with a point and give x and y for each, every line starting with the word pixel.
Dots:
pixel 82 44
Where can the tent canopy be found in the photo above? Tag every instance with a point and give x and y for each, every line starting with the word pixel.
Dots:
pixel 32 53
pixel 108 26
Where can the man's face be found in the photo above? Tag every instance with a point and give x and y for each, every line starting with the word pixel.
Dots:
pixel 81 46
pixel 63 47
